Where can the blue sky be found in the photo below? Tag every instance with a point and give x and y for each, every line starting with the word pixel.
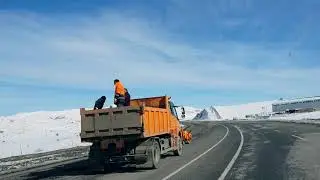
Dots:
pixel 57 55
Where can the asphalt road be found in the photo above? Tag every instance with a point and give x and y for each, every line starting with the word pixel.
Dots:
pixel 222 150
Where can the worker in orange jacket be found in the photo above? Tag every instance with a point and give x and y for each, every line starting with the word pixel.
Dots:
pixel 119 93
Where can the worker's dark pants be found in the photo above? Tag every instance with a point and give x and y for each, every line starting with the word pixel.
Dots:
pixel 120 101
pixel 119 104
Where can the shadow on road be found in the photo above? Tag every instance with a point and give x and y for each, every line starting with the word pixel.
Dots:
pixel 78 169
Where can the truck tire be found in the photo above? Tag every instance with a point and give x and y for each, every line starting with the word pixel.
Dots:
pixel 178 151
pixel 154 155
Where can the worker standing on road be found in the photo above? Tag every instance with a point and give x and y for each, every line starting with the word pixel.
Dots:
pixel 127 97
pixel 119 93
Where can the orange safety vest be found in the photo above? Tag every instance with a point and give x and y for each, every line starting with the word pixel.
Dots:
pixel 119 89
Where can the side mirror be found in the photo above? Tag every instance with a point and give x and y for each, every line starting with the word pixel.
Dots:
pixel 183 112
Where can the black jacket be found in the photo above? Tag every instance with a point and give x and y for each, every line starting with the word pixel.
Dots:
pixel 99 103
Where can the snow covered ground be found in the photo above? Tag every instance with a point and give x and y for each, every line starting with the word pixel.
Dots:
pixel 37 132
pixel 304 118
pixel 298 116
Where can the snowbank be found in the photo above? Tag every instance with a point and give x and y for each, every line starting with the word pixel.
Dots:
pixel 298 116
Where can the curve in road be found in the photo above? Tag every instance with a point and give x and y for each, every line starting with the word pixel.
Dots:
pixel 225 150
pixel 198 157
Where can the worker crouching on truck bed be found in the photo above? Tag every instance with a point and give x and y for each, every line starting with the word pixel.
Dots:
pixel 99 103
pixel 119 93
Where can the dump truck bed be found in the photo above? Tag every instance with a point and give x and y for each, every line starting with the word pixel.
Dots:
pixel 144 118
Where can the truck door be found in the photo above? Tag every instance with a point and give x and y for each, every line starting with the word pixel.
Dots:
pixel 175 116
pixel 173 110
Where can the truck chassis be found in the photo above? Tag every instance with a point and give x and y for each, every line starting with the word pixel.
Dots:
pixel 115 152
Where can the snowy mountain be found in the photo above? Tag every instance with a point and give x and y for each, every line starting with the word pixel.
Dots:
pixel 208 114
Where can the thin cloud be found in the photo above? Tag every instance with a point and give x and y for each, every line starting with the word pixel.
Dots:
pixel 85 52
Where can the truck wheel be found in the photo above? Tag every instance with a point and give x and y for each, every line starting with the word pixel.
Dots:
pixel 178 152
pixel 154 155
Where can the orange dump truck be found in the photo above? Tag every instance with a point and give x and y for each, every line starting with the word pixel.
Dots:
pixel 135 134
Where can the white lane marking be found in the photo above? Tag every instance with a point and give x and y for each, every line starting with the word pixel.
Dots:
pixel 276 130
pixel 198 157
pixel 298 137
pixel 233 160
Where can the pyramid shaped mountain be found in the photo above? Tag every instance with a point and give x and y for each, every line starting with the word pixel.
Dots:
pixel 208 114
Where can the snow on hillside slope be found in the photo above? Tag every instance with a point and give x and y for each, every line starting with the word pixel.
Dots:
pixel 240 111
pixel 36 132
pixel 28 133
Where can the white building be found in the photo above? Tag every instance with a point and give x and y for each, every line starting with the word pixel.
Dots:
pixel 301 104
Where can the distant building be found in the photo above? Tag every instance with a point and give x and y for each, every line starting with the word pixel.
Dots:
pixel 297 105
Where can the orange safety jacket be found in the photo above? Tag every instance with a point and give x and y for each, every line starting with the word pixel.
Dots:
pixel 119 89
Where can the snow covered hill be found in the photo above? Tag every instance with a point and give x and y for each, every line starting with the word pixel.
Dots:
pixel 35 132
pixel 240 111
pixel 27 133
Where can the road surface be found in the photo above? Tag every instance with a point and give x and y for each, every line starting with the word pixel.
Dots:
pixel 221 150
